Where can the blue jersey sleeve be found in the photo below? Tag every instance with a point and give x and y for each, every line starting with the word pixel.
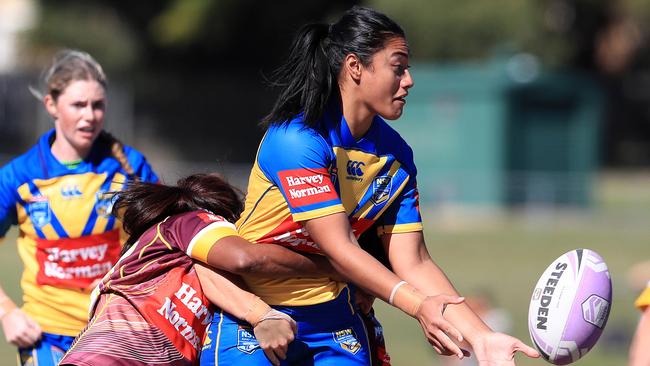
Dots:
pixel 7 200
pixel 297 160
pixel 403 215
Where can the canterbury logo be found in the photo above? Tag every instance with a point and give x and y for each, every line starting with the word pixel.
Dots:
pixel 354 168
pixel 70 191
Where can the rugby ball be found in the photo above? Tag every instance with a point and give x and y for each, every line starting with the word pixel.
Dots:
pixel 570 306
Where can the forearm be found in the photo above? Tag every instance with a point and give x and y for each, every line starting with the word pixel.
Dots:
pixel 427 277
pixel 6 303
pixel 236 255
pixel 275 260
pixel 225 290
pixel 336 240
pixel 639 350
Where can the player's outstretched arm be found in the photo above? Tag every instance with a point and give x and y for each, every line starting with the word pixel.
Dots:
pixel 335 237
pixel 639 350
pixel 237 255
pixel 410 260
pixel 273 330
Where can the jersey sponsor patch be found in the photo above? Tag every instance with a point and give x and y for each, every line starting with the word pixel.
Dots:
pixel 381 187
pixel 179 309
pixel 246 341
pixel 304 187
pixel 76 262
pixel 348 340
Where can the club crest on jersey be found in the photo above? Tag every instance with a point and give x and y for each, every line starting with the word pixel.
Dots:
pixel 381 187
pixel 246 341
pixel 104 205
pixel 39 211
pixel 348 340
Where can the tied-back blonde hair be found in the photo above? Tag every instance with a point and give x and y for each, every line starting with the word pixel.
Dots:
pixel 68 66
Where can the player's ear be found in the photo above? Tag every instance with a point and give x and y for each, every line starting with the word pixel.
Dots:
pixel 352 66
pixel 50 106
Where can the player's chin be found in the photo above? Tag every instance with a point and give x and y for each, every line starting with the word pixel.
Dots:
pixel 393 113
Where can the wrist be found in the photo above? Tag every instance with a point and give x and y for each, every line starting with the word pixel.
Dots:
pixel 6 307
pixel 257 310
pixel 406 298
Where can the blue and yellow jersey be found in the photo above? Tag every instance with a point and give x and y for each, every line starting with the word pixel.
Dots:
pixel 303 173
pixel 67 237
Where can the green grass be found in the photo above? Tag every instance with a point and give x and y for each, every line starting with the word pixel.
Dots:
pixel 505 254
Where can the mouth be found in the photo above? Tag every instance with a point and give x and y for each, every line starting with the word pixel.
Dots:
pixel 401 98
pixel 87 131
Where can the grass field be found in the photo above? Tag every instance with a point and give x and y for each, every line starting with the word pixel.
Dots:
pixel 505 254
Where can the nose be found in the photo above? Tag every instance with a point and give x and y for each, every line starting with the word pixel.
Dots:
pixel 89 112
pixel 407 80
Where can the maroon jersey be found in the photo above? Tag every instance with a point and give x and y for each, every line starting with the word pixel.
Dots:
pixel 150 308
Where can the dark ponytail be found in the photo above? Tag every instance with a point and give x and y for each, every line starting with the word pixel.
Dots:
pixel 142 205
pixel 309 77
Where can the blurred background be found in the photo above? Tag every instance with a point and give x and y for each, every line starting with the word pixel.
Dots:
pixel 530 122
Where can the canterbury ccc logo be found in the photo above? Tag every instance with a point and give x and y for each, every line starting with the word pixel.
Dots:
pixel 354 168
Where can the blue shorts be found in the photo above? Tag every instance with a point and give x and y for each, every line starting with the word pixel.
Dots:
pixel 329 334
pixel 46 352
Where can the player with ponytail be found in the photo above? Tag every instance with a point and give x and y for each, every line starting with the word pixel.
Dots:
pixel 330 168
pixel 56 194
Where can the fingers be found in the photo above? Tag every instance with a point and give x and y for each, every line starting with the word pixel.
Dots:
pixel 449 299
pixel 271 356
pixel 448 343
pixel 527 350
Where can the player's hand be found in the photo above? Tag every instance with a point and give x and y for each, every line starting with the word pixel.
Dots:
pixel 363 300
pixel 438 331
pixel 19 329
pixel 498 349
pixel 274 333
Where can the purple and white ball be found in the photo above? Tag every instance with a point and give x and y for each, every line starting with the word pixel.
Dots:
pixel 570 306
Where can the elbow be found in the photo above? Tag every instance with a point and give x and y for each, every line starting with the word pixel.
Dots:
pixel 244 263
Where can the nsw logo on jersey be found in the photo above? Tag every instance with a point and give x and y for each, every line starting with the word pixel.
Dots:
pixel 304 187
pixel 381 187
pixel 348 340
pixel 246 341
pixel 38 209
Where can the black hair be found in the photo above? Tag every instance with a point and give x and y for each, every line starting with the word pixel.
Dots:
pixel 309 77
pixel 142 204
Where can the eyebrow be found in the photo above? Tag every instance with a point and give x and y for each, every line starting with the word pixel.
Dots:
pixel 399 53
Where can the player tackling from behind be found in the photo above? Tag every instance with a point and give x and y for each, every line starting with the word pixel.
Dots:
pixel 154 306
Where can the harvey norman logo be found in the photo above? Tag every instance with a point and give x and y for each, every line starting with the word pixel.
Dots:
pixel 307 186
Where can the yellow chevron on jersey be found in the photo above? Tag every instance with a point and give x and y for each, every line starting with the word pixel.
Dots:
pixel 304 173
pixel 69 198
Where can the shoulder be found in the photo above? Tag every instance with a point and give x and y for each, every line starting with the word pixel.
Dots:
pixel 24 167
pixel 293 141
pixel 134 156
pixel 294 132
pixel 392 142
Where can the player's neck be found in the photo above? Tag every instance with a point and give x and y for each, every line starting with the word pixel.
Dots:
pixel 63 151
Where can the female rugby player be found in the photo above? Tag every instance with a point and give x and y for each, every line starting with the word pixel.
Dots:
pixel 327 169
pixel 55 193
